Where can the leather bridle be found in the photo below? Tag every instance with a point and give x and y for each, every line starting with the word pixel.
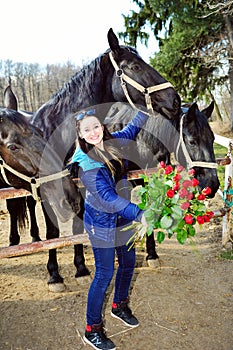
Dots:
pixel 124 78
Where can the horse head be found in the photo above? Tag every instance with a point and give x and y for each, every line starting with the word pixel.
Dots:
pixel 142 83
pixel 26 155
pixel 190 138
pixel 196 142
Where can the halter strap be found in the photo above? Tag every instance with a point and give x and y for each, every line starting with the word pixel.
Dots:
pixel 35 182
pixel 145 90
pixel 190 162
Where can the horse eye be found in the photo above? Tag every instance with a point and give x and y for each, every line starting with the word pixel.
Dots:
pixel 12 147
pixel 135 68
pixel 192 143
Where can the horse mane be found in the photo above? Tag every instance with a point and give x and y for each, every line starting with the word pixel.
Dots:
pixel 88 79
pixel 70 92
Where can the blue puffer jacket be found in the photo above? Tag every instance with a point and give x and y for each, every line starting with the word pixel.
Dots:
pixel 104 208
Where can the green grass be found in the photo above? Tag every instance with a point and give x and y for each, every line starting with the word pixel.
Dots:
pixel 227 255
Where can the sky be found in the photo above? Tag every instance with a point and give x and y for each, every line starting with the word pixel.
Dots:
pixel 55 31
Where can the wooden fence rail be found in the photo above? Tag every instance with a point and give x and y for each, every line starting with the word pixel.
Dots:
pixel 36 247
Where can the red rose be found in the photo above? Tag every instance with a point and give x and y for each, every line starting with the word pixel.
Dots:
pixel 206 191
pixel 200 220
pixel 210 214
pixel 183 193
pixel 177 177
pixel 191 172
pixel 170 193
pixel 179 168
pixel 189 196
pixel 187 183
pixel 206 218
pixel 185 205
pixel 188 219
pixel 195 182
pixel 168 169
pixel 162 164
pixel 201 197
pixel 176 186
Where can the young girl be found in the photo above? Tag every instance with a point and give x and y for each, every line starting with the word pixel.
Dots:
pixel 106 212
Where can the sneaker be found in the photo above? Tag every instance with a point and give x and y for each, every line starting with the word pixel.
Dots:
pixel 96 337
pixel 122 312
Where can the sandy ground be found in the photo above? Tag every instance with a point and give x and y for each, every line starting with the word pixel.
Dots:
pixel 186 303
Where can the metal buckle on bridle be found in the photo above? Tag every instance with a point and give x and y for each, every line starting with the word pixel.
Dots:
pixel 119 73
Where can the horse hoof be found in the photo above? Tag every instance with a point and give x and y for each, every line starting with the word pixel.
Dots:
pixel 153 263
pixel 84 280
pixel 56 287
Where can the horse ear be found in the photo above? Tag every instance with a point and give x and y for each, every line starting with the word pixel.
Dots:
pixel 113 41
pixel 209 110
pixel 10 100
pixel 192 111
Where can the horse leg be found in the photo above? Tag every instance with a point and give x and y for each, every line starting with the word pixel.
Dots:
pixel 55 281
pixel 79 259
pixel 151 251
pixel 34 230
pixel 18 215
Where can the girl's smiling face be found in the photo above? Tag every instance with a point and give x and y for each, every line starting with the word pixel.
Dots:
pixel 91 130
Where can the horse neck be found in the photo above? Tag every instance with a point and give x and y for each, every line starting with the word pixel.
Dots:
pixel 88 87
pixel 164 130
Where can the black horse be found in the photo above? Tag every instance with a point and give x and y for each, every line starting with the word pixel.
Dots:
pixel 35 167
pixel 192 146
pixel 17 207
pixel 98 84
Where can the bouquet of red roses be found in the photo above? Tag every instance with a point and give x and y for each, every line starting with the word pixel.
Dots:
pixel 172 204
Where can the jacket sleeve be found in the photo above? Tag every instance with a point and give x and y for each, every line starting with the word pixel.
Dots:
pixel 130 131
pixel 98 183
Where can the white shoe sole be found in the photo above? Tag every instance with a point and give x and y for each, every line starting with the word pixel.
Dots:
pixel 127 324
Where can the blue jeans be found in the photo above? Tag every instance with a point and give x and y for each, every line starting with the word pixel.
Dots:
pixel 104 263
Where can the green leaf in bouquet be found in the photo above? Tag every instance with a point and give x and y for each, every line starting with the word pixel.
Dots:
pixel 166 211
pixel 144 177
pixel 170 234
pixel 169 183
pixel 191 230
pixel 149 215
pixel 155 183
pixel 150 228
pixel 141 191
pixel 199 207
pixel 181 224
pixel 160 236
pixel 166 222
pixel 142 205
pixel 181 236
pixel 175 199
pixel 177 212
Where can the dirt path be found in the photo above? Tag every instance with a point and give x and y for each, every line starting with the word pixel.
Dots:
pixel 187 303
